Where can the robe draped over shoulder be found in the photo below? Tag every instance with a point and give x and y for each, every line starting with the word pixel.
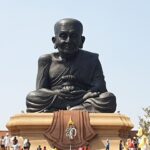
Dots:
pixel 82 73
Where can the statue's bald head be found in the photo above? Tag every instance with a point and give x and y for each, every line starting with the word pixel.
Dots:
pixel 68 36
pixel 68 23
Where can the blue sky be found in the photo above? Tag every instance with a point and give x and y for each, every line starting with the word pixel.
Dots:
pixel 118 30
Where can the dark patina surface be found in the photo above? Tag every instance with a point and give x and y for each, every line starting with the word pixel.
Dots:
pixel 72 78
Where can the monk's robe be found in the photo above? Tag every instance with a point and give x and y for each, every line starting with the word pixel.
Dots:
pixel 62 83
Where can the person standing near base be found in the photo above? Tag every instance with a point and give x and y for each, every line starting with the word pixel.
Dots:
pixel 26 144
pixel 121 147
pixel 15 144
pixel 107 145
pixel 2 142
pixel 7 141
pixel 39 147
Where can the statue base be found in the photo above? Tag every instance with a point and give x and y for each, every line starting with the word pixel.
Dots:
pixel 111 126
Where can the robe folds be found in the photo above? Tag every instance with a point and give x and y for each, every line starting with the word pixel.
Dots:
pixel 80 74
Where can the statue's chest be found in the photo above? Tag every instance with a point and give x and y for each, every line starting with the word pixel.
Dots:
pixel 76 68
pixel 57 69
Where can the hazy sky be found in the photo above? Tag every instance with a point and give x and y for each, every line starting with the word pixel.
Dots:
pixel 118 30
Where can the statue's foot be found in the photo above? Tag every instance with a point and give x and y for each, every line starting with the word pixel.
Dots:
pixel 78 107
pixel 84 107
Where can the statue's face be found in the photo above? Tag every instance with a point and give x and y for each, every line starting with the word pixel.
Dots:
pixel 68 38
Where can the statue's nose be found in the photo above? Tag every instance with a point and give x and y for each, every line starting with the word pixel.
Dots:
pixel 67 39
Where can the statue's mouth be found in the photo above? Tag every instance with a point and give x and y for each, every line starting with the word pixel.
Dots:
pixel 68 46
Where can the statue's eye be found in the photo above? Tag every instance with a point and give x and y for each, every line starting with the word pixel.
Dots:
pixel 74 35
pixel 63 35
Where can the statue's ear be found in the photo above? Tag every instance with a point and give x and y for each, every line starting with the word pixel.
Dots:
pixel 82 41
pixel 54 41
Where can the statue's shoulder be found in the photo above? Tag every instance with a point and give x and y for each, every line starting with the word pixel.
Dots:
pixel 88 54
pixel 46 57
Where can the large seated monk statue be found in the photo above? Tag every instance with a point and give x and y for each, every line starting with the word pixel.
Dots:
pixel 72 78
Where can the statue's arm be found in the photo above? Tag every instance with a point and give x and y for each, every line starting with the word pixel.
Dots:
pixel 98 83
pixel 43 83
pixel 43 80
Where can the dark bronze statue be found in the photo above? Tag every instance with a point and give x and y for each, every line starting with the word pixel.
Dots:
pixel 72 78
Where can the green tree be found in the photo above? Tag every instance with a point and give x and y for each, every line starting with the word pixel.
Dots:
pixel 144 121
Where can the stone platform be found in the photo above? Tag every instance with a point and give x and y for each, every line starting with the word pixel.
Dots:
pixel 107 125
